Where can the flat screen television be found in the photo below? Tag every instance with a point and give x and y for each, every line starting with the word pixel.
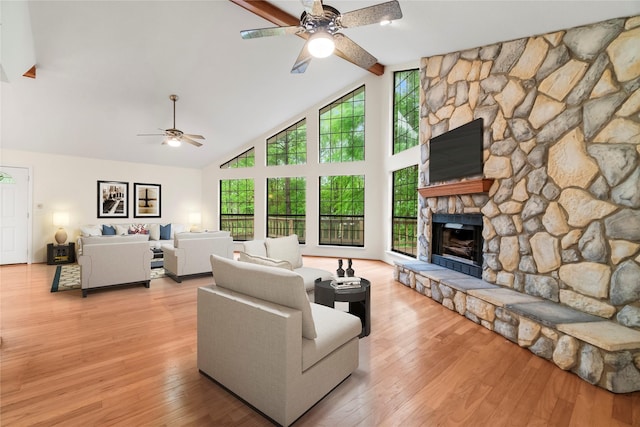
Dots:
pixel 457 153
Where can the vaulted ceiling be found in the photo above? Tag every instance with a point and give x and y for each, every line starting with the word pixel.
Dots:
pixel 105 69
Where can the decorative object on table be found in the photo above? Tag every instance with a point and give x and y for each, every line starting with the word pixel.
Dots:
pixel 346 283
pixel 61 220
pixel 147 200
pixel 350 272
pixel 61 254
pixel 340 270
pixel 113 199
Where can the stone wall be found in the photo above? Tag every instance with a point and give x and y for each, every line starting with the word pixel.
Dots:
pixel 562 140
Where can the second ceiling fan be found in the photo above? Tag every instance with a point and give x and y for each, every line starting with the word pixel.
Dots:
pixel 174 137
pixel 321 26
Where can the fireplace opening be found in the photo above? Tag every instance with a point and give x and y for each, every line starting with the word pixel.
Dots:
pixel 457 242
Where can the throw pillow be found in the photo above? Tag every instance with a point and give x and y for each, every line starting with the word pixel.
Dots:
pixel 108 230
pixel 165 232
pixel 177 228
pixel 122 229
pixel 255 247
pixel 276 285
pixel 286 248
pixel 138 229
pixel 269 262
pixel 154 231
pixel 91 230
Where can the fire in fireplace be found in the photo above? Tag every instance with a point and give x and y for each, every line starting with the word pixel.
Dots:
pixel 457 242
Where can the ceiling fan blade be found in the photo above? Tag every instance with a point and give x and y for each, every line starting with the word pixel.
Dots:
pixel 371 15
pixel 316 8
pixel 190 141
pixel 151 134
pixel 271 31
pixel 193 136
pixel 352 52
pixel 300 66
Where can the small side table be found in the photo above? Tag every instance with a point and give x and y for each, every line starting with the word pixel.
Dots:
pixel 61 254
pixel 359 300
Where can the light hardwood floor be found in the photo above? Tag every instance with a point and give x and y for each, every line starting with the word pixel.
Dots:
pixel 128 357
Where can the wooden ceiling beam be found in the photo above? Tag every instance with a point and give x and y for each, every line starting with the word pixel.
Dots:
pixel 277 16
pixel 31 73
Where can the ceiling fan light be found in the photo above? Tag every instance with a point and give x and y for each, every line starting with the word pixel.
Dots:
pixel 321 44
pixel 173 142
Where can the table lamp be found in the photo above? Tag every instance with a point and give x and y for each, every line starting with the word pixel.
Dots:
pixel 60 220
pixel 195 219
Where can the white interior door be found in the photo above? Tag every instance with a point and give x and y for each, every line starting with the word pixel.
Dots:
pixel 14 215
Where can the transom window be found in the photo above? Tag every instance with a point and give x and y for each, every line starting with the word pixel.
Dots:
pixel 288 147
pixel 406 110
pixel 244 160
pixel 404 227
pixel 237 207
pixel 342 210
pixel 342 129
pixel 286 207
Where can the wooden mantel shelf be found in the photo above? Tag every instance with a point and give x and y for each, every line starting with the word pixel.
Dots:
pixel 481 185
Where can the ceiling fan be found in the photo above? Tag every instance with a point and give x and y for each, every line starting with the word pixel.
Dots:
pixel 174 137
pixel 321 25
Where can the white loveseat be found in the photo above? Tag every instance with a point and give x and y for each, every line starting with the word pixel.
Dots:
pixel 283 252
pixel 115 260
pixel 261 338
pixel 189 253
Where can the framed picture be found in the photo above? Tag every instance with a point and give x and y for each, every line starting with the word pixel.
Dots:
pixel 147 198
pixel 113 199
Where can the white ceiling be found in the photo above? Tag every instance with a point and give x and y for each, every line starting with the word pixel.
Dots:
pixel 105 70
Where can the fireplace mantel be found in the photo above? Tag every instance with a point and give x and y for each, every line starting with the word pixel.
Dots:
pixel 480 185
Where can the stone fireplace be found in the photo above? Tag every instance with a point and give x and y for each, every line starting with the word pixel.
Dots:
pixel 457 242
pixel 559 195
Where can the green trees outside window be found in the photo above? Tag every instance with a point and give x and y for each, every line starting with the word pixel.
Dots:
pixel 237 207
pixel 404 227
pixel 288 147
pixel 406 110
pixel 244 160
pixel 342 210
pixel 286 207
pixel 342 129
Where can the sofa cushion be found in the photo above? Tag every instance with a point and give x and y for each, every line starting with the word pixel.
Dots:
pixel 122 229
pixel 333 329
pixel 108 230
pixel 175 229
pixel 91 230
pixel 138 229
pixel 276 285
pixel 165 232
pixel 154 231
pixel 255 247
pixel 260 260
pixel 286 248
pixel 92 240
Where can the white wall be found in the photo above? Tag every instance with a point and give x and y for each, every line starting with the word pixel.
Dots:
pixel 377 169
pixel 67 183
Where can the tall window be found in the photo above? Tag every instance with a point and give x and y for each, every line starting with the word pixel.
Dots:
pixel 404 220
pixel 342 129
pixel 244 160
pixel 288 147
pixel 406 109
pixel 342 210
pixel 286 205
pixel 237 207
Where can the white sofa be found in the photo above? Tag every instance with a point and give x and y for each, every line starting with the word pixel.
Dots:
pixel 189 253
pixel 283 252
pixel 113 261
pixel 156 234
pixel 261 338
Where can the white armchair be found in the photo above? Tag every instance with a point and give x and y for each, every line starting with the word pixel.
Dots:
pixel 190 253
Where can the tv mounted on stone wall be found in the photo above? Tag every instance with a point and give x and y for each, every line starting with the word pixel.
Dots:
pixel 457 153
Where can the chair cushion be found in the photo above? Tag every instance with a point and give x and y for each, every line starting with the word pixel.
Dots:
pixel 286 248
pixel 255 247
pixel 272 284
pixel 260 260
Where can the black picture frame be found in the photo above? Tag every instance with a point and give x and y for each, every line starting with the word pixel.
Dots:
pixel 147 200
pixel 113 199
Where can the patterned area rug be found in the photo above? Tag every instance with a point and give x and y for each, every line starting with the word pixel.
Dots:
pixel 67 277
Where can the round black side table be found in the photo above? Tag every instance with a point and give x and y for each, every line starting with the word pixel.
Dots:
pixel 359 300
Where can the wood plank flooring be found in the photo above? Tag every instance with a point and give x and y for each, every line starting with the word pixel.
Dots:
pixel 127 357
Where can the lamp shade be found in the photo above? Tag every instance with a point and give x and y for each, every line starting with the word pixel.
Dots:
pixel 321 44
pixel 61 219
pixel 195 218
